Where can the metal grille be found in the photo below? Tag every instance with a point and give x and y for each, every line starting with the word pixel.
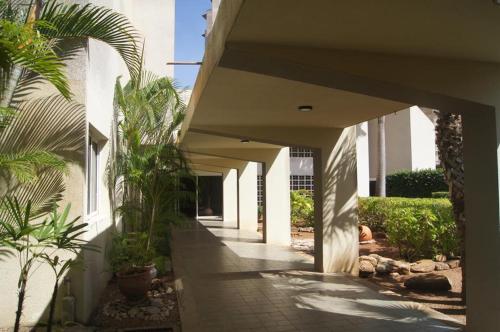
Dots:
pixel 300 152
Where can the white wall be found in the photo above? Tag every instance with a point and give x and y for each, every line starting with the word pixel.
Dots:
pixel 423 140
pixel 301 166
pixel 362 159
pixel 155 20
pixel 92 76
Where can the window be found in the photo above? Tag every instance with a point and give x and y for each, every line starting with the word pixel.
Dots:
pixel 300 152
pixel 92 176
pixel 259 190
pixel 302 182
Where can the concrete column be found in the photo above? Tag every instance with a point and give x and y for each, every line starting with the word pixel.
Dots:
pixel 363 159
pixel 481 142
pixel 277 225
pixel 230 195
pixel 247 196
pixel 336 223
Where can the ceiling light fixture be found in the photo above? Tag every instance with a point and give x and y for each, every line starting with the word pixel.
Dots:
pixel 245 140
pixel 305 108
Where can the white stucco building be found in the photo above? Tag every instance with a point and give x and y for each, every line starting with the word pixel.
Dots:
pixel 92 76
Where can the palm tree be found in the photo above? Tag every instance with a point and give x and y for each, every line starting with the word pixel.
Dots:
pixel 148 160
pixel 449 141
pixel 32 48
pixel 381 174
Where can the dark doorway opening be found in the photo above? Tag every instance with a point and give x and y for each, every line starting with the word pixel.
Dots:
pixel 209 196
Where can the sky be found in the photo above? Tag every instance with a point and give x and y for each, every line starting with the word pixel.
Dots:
pixel 189 42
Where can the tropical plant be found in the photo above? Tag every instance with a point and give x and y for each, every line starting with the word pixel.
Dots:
pixel 39 44
pixel 37 243
pixel 302 208
pixel 148 163
pixel 128 253
pixel 449 141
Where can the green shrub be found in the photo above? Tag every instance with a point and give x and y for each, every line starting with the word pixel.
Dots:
pixel 419 227
pixel 302 208
pixel 420 183
pixel 440 194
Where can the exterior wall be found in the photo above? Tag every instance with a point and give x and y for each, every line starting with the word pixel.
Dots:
pixel 423 140
pixel 92 76
pixel 410 142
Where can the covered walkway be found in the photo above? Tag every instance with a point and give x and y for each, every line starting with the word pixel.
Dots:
pixel 228 280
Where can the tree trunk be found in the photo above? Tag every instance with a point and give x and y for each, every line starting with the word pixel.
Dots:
pixel 20 299
pixel 381 174
pixel 449 141
pixel 52 306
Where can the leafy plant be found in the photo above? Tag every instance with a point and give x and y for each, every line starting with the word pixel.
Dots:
pixel 36 243
pixel 416 184
pixel 419 227
pixel 302 208
pixel 440 194
pixel 147 163
pixel 129 254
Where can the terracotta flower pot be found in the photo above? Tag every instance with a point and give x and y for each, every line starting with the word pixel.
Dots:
pixel 365 234
pixel 134 286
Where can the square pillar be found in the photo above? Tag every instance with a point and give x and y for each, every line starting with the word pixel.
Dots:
pixel 276 176
pixel 247 196
pixel 230 195
pixel 481 132
pixel 336 242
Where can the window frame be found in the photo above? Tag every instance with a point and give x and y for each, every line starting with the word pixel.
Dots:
pixel 92 144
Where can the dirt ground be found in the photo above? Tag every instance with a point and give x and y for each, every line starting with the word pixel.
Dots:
pixel 448 303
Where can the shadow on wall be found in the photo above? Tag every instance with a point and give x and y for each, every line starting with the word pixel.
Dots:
pixel 50 124
pixel 339 218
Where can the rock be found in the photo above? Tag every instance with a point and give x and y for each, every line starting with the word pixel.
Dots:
pixel 156 302
pixel 453 263
pixel 428 282
pixel 366 269
pixel 169 290
pixel 394 275
pixel 383 268
pixel 423 266
pixel 370 259
pixel 156 284
pixel 152 310
pixel 404 269
pixel 440 258
pixel 133 312
pixel 377 257
pixel 440 266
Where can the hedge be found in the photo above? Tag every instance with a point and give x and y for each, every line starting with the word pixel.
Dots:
pixel 418 227
pixel 420 183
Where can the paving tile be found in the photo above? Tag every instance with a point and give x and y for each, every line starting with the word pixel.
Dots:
pixel 231 282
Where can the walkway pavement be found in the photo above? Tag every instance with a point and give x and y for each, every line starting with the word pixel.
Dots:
pixel 229 281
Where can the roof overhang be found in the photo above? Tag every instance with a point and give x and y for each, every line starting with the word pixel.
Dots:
pixel 265 58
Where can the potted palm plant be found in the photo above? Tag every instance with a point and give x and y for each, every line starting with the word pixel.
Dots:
pixel 131 261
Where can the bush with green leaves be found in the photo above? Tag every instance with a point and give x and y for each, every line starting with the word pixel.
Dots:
pixel 441 194
pixel 416 184
pixel 419 227
pixel 129 253
pixel 302 208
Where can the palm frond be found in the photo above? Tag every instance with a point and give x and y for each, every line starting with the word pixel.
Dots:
pixel 74 21
pixel 22 47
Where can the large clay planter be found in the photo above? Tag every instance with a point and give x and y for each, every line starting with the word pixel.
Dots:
pixel 134 286
pixel 365 234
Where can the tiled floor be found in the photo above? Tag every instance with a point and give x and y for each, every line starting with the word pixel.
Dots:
pixel 229 281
